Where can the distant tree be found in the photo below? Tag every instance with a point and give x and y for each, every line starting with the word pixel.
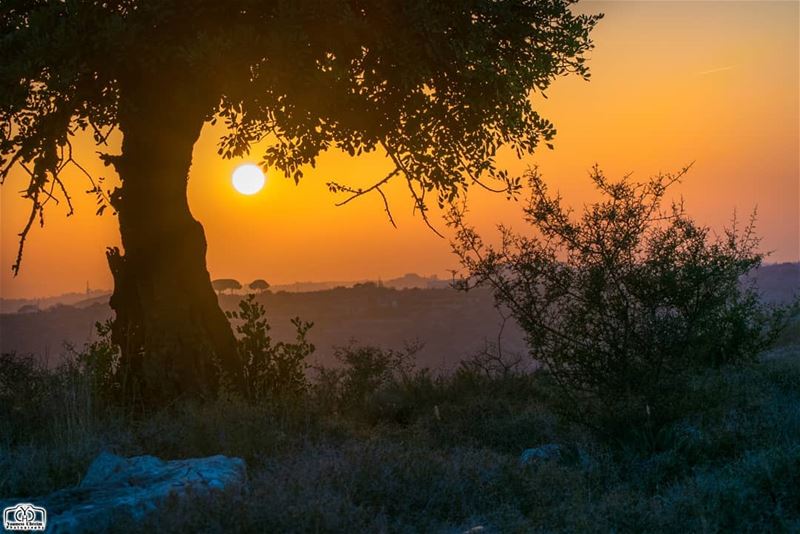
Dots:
pixel 365 285
pixel 436 86
pixel 226 284
pixel 623 300
pixel 259 285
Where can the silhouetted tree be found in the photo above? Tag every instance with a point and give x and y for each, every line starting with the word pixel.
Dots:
pixel 437 86
pixel 621 300
pixel 225 284
pixel 259 285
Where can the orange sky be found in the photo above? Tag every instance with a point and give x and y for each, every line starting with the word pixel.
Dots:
pixel 716 83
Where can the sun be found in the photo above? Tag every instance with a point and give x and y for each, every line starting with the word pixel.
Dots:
pixel 248 179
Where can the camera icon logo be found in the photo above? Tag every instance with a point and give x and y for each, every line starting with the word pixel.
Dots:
pixel 24 516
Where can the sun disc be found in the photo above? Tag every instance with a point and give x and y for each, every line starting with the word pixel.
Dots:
pixel 248 179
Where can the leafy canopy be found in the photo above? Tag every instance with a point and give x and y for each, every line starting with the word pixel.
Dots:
pixel 259 285
pixel 225 284
pixel 439 86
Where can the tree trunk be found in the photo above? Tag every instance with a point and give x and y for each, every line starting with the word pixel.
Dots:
pixel 175 339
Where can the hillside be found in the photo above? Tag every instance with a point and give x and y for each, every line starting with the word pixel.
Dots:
pixel 450 324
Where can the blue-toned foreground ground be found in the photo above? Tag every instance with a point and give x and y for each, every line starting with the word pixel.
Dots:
pixel 441 454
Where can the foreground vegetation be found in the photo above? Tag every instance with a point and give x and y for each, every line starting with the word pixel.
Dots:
pixel 657 406
pixel 380 446
pixel 625 301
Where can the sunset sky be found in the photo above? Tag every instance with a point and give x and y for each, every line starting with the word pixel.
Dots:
pixel 716 83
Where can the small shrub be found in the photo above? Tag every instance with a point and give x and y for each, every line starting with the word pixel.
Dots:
pixel 99 360
pixel 61 403
pixel 368 369
pixel 23 394
pixel 274 371
pixel 492 362
pixel 371 381
pixel 622 302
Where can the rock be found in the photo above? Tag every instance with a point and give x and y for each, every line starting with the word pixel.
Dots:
pixel 542 453
pixel 586 460
pixel 116 487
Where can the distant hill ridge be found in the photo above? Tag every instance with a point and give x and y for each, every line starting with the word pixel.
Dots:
pixel 407 281
pixel 450 323
pixel 82 300
pixel 43 303
pixel 777 282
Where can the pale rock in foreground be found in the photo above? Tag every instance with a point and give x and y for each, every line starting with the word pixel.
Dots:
pixel 543 453
pixel 116 487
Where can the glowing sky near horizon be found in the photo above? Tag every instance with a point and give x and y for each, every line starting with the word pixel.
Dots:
pixel 716 83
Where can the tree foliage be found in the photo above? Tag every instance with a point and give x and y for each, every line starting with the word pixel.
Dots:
pixel 259 285
pixel 623 299
pixel 226 284
pixel 438 86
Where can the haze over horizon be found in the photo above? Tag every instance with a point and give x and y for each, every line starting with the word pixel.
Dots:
pixel 317 284
pixel 672 83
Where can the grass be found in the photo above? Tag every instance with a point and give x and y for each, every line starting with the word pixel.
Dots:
pixel 434 454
